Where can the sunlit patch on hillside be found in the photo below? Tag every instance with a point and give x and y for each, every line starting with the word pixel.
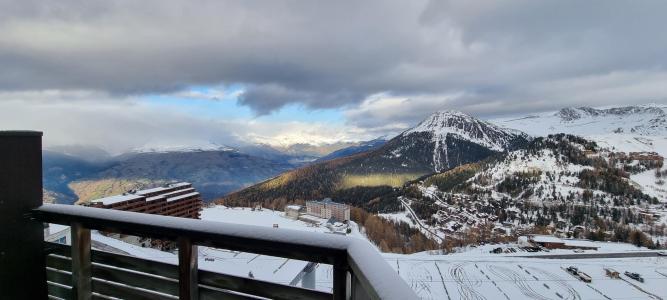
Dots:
pixel 449 179
pixel 87 190
pixel 378 179
pixel 277 182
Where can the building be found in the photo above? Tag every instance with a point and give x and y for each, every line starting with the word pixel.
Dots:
pixel 72 271
pixel 552 242
pixel 175 199
pixel 326 209
pixel 293 211
pixel 56 233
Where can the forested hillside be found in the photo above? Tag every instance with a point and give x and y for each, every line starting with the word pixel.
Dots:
pixel 443 141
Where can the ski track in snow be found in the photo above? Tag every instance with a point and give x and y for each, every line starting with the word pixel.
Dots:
pixel 572 293
pixel 468 285
pixel 518 280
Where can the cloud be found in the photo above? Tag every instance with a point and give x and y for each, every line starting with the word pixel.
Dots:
pixel 116 126
pixel 386 63
pixel 120 125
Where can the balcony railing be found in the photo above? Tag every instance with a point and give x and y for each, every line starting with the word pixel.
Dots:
pixel 32 269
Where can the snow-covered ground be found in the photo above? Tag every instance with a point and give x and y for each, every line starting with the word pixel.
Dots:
pixel 401 216
pixel 264 217
pixel 473 273
pixel 640 128
pixel 491 276
pixel 650 185
pixel 268 268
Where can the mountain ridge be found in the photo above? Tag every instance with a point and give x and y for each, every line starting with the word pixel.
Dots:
pixel 407 156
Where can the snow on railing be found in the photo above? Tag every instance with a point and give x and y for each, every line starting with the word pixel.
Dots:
pixel 357 265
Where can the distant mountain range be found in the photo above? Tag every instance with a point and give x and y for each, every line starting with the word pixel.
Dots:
pixel 448 139
pixel 439 143
pixel 351 150
pixel 622 128
pixel 444 140
pixel 213 173
pixel 81 173
pixel 454 176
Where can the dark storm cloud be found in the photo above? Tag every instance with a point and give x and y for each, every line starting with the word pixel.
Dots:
pixel 495 56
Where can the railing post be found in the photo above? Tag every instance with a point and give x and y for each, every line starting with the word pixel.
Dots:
pixel 187 270
pixel 357 291
pixel 81 264
pixel 340 281
pixel 22 260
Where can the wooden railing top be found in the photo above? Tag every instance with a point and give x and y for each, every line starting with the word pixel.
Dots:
pixel 377 278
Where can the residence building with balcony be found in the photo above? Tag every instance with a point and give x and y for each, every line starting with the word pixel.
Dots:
pixel 32 268
pixel 327 209
pixel 174 199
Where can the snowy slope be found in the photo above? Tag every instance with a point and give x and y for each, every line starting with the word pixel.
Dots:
pixel 641 128
pixel 549 183
pixel 625 128
pixel 449 123
pixel 447 139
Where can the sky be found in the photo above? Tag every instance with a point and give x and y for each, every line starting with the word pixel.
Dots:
pixel 123 74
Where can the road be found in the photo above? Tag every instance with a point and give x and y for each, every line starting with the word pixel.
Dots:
pixel 419 222
pixel 595 255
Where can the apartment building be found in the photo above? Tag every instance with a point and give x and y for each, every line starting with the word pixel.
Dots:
pixel 327 209
pixel 175 199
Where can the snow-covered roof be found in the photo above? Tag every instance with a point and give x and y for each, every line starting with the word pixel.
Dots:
pixel 179 184
pixel 295 207
pixel 313 219
pixel 182 196
pixel 580 243
pixel 55 228
pixel 117 198
pixel 148 191
pixel 178 191
pixel 158 197
pixel 327 201
pixel 546 239
pixel 162 188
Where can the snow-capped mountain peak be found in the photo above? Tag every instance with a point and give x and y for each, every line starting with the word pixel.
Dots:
pixel 448 122
pixel 188 147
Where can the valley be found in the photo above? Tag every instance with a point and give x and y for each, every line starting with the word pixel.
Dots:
pixel 457 179
pixel 463 181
